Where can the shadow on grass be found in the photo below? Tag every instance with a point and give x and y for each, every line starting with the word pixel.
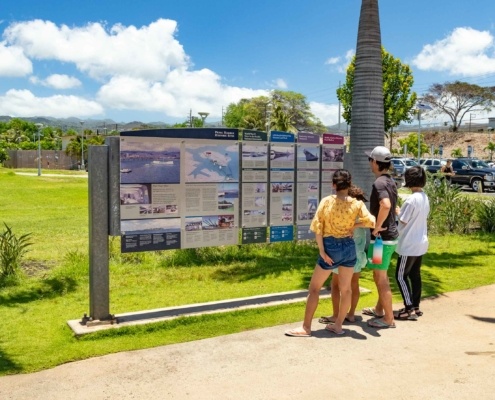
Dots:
pixel 453 260
pixel 7 365
pixel 431 284
pixel 248 262
pixel 46 289
pixel 264 267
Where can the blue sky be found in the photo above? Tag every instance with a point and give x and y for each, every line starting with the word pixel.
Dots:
pixel 155 60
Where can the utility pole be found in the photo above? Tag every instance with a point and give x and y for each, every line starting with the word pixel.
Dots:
pixel 82 145
pixel 39 126
pixel 339 110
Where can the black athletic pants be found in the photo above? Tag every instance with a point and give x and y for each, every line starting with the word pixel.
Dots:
pixel 408 276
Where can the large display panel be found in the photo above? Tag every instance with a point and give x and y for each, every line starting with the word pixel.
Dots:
pixel 190 188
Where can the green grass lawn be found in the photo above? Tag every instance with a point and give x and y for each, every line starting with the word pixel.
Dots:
pixel 54 286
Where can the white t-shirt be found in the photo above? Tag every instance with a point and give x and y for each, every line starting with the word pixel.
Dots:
pixel 413 235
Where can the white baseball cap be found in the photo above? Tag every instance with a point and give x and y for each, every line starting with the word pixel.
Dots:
pixel 379 153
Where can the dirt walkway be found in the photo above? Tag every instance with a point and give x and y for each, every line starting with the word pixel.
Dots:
pixel 449 353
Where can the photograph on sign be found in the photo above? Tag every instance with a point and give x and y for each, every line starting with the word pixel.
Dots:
pixel 333 153
pixel 149 160
pixel 143 226
pixel 282 156
pixel 308 156
pixel 254 155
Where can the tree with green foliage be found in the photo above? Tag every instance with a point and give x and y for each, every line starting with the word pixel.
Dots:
pixel 398 100
pixel 4 156
pixel 491 149
pixel 73 148
pixel 280 120
pixel 282 110
pixel 411 141
pixel 455 99
pixel 456 153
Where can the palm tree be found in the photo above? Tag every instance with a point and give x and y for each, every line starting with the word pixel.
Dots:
pixel 491 149
pixel 280 120
pixel 367 119
pixel 456 153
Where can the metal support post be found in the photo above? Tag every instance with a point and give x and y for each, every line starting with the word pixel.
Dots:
pixel 99 288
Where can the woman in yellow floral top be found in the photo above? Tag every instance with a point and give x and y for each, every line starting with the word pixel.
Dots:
pixel 333 225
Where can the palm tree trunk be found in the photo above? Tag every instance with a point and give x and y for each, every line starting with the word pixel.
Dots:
pixel 367 119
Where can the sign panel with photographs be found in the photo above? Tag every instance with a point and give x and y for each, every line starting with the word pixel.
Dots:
pixel 182 188
pixel 254 186
pixel 282 182
pixel 149 193
pixel 332 158
pixel 308 182
pixel 179 188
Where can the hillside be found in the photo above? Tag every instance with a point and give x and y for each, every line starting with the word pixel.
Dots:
pixel 455 140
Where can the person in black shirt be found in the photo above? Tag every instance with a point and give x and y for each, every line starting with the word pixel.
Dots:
pixel 383 201
pixel 447 170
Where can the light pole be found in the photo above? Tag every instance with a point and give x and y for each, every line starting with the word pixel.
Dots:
pixel 470 117
pixel 420 107
pixel 82 145
pixel 39 126
pixel 203 116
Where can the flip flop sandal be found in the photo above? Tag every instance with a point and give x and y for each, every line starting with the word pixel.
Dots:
pixel 380 324
pixel 297 333
pixel 326 320
pixel 418 312
pixel 371 312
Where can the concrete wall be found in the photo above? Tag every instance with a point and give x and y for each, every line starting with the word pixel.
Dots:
pixel 50 159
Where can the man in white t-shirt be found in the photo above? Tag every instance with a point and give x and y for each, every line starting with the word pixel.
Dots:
pixel 413 243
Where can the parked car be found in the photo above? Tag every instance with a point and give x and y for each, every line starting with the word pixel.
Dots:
pixel 406 162
pixel 479 178
pixel 399 166
pixel 433 165
pixel 397 172
pixel 476 163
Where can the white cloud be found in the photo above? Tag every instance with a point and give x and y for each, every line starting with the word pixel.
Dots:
pixel 332 60
pixel 143 69
pixel 466 52
pixel 57 81
pixel 327 113
pixel 13 62
pixel 340 63
pixel 148 52
pixel 175 96
pixel 281 84
pixel 23 103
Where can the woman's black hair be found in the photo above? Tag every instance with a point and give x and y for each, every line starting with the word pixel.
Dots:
pixel 357 193
pixel 415 177
pixel 341 179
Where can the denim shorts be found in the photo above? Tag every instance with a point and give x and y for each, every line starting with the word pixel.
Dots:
pixel 341 250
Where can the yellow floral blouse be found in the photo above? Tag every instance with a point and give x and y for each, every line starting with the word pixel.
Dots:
pixel 336 217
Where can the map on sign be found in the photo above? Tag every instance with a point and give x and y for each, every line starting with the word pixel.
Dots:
pixel 218 163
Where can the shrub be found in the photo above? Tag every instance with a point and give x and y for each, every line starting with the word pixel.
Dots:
pixel 485 212
pixel 12 249
pixel 450 211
